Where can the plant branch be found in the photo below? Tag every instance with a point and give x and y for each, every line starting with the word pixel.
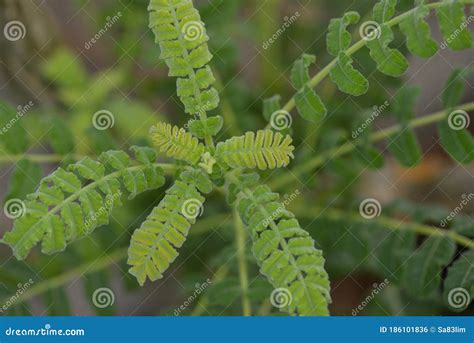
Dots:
pixel 323 73
pixel 345 148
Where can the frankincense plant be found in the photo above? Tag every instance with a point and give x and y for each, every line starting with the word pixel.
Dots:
pixel 79 197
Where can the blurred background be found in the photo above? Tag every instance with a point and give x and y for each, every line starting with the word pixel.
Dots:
pixel 76 58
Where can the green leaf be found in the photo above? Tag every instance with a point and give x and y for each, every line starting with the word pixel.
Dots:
pixel 384 10
pixel 424 267
pixel 338 38
pixel 300 70
pixel 70 204
pixel 404 146
pixel 348 79
pixel 454 87
pixel 264 150
pixel 459 283
pixel 270 106
pixel 24 179
pixel 211 128
pixel 309 105
pixel 154 245
pixel 453 25
pixel 459 144
pixel 418 33
pixel 61 137
pixel 177 143
pixel 389 61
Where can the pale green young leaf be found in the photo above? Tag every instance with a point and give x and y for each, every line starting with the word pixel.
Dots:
pixel 300 70
pixel 348 79
pixel 309 104
pixel 338 38
pixel 384 10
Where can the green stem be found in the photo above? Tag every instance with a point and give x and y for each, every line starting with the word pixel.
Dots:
pixel 345 148
pixel 243 270
pixel 386 223
pixel 73 274
pixel 290 105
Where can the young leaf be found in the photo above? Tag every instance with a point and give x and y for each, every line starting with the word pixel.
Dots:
pixel 211 127
pixel 338 38
pixel 384 10
pixel 264 150
pixel 453 25
pixel 418 33
pixel 348 79
pixel 389 61
pixel 300 70
pixel 270 106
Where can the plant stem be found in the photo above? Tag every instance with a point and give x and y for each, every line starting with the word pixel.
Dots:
pixel 87 268
pixel 290 105
pixel 385 222
pixel 243 270
pixel 345 148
